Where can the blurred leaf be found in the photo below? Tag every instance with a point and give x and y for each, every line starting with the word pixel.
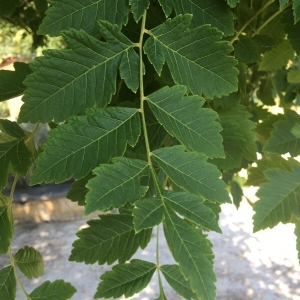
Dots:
pixel 8 283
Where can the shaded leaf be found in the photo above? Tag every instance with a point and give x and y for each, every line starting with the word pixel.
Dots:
pixel 294 76
pixel 296 9
pixel 283 3
pixel 192 252
pixel 125 279
pixel 116 184
pixel 167 6
pixel 109 239
pixel 297 233
pixel 246 50
pixel 6 225
pixel 73 149
pixel 292 30
pixel 65 82
pixel 265 92
pixel 233 3
pixel 11 82
pixel 196 57
pixel 236 193
pixel 190 171
pixel 82 14
pixel 279 198
pixel 30 262
pixel 177 281
pixel 197 131
pixel 138 7
pixel 8 283
pixel 56 290
pixel 148 213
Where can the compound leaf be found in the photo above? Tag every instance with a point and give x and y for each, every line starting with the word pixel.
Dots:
pixel 65 82
pixel 82 14
pixel 73 149
pixel 125 279
pixel 30 262
pixel 8 283
pixel 184 117
pixel 192 252
pixel 148 213
pixel 138 7
pixel 177 281
pixel 190 171
pixel 116 184
pixel 279 198
pixel 191 207
pixel 196 57
pixel 56 290
pixel 11 82
pixel 109 239
pixel 286 135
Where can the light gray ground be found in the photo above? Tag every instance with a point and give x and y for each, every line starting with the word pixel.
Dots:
pixel 256 266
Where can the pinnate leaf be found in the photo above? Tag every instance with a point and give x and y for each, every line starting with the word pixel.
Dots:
pixel 56 290
pixel 286 135
pixel 109 239
pixel 11 82
pixel 196 57
pixel 116 184
pixel 125 279
pixel 30 262
pixel 177 281
pixel 279 198
pixel 191 207
pixel 82 14
pixel 148 213
pixel 192 252
pixel 73 149
pixel 8 283
pixel 184 118
pixel 190 171
pixel 65 82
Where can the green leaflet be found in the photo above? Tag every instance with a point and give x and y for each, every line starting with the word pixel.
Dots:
pixel 8 283
pixel 167 6
pixel 73 149
pixel 286 135
pixel 125 279
pixel 184 118
pixel 296 8
pixel 11 82
pixel 6 226
pixel 109 239
pixel 190 171
pixel 192 208
pixel 278 57
pixel 82 14
pixel 196 57
pixel 233 3
pixel 279 198
pixel 246 50
pixel 177 281
pixel 138 7
pixel 294 76
pixel 65 82
pixel 238 136
pixel 56 290
pixel 148 213
pixel 236 193
pixel 30 262
pixel 116 184
pixel 297 233
pixel 265 92
pixel 191 250
pixel 13 151
pixel 292 30
pixel 283 3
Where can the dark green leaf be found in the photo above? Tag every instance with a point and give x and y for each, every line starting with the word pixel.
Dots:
pixel 185 118
pixel 233 3
pixel 56 290
pixel 296 9
pixel 8 283
pixel 236 193
pixel 82 14
pixel 177 281
pixel 138 7
pixel 279 198
pixel 109 239
pixel 116 184
pixel 167 6
pixel 297 233
pixel 11 82
pixel 148 213
pixel 30 262
pixel 73 149
pixel 265 92
pixel 192 252
pixel 227 101
pixel 6 225
pixel 12 129
pixel 193 54
pixel 126 279
pixel 283 3
pixel 190 171
pixel 65 82
pixel 292 30
pixel 246 50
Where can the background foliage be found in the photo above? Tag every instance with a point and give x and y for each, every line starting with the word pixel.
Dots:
pixel 155 106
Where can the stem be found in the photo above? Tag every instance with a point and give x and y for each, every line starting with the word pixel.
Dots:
pixel 250 20
pixel 257 31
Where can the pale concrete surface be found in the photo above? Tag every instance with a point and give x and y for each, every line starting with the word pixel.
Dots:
pixel 256 266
